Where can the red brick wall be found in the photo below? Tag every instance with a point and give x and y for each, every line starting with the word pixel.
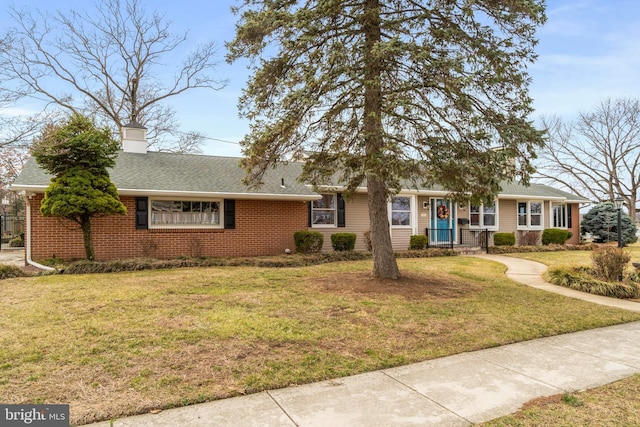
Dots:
pixel 263 227
pixel 575 224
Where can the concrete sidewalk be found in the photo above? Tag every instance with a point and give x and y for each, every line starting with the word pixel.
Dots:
pixel 459 390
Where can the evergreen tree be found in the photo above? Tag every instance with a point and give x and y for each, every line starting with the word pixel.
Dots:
pixel 78 154
pixel 384 93
pixel 602 223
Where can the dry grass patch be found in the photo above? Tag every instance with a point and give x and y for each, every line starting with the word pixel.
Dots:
pixel 125 343
pixel 613 405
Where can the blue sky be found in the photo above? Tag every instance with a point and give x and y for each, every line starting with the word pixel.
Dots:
pixel 588 50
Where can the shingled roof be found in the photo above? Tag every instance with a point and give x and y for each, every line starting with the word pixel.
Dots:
pixel 168 174
pixel 172 174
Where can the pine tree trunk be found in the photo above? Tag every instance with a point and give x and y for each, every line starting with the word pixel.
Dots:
pixel 384 262
pixel 87 237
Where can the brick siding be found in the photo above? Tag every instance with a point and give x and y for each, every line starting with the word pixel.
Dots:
pixel 263 227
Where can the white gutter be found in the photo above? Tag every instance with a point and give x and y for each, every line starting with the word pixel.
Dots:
pixel 28 239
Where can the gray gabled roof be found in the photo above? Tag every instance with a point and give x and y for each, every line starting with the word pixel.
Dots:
pixel 167 174
pixel 539 190
pixel 173 174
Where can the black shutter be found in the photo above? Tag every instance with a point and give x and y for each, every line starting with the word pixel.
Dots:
pixel 569 215
pixel 309 214
pixel 229 214
pixel 142 213
pixel 341 211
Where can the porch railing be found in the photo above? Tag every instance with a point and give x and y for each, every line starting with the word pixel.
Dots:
pixel 443 238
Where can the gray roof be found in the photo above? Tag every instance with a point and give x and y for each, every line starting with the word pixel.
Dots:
pixel 167 173
pixel 539 190
pixel 174 174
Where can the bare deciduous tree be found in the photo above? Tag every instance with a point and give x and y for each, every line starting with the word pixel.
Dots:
pixel 597 156
pixel 111 63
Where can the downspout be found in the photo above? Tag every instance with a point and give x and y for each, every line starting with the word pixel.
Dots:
pixel 28 239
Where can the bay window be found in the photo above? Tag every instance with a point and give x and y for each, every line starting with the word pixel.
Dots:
pixel 560 215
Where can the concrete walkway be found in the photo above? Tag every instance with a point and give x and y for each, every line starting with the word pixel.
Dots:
pixel 12 256
pixel 459 390
pixel 530 273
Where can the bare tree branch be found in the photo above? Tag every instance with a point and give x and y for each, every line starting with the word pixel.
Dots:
pixel 110 62
pixel 598 155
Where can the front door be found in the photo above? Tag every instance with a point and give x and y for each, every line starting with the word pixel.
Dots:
pixel 442 221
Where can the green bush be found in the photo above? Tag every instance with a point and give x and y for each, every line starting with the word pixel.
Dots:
pixel 504 239
pixel 554 235
pixel 343 241
pixel 609 263
pixel 418 242
pixel 308 242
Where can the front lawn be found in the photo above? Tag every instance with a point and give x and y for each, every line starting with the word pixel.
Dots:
pixel 125 343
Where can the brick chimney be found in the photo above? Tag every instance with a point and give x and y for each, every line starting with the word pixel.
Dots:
pixel 134 138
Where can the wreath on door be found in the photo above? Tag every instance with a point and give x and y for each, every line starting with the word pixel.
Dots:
pixel 443 212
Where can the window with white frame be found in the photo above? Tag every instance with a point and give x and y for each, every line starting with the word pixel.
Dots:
pixel 483 216
pixel 530 215
pixel 401 211
pixel 560 215
pixel 185 213
pixel 323 211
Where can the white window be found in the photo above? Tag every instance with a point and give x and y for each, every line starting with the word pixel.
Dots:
pixel 483 216
pixel 323 211
pixel 190 213
pixel 401 211
pixel 530 215
pixel 559 215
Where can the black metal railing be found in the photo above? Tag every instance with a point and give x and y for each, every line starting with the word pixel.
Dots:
pixel 443 238
pixel 439 238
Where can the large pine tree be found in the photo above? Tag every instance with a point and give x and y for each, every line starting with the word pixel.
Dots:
pixel 385 92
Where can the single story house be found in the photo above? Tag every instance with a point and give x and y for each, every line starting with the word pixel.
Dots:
pixel 196 205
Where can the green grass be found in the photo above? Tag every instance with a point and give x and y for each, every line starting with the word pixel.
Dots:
pixel 125 343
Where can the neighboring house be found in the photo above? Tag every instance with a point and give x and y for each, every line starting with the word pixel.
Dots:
pixel 195 205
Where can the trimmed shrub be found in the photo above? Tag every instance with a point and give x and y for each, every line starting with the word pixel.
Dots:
pixel 609 263
pixel 308 242
pixel 418 242
pixel 504 239
pixel 343 241
pixel 554 235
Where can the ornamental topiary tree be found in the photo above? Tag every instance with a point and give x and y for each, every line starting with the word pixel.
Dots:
pixel 602 223
pixel 78 154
